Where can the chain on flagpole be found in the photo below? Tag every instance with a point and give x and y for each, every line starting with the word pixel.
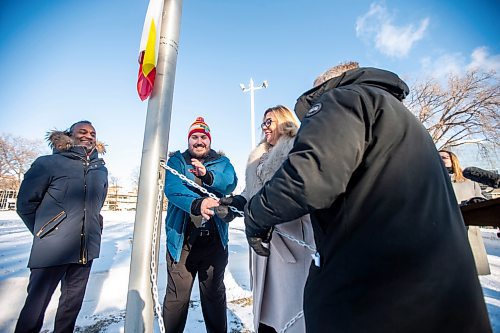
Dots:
pixel 157 307
pixel 154 266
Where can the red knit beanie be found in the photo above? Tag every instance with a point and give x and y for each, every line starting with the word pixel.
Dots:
pixel 199 126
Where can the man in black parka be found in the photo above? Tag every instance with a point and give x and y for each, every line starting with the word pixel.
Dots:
pixel 392 252
pixel 60 200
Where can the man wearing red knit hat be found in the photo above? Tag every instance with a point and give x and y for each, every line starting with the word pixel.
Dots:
pixel 196 238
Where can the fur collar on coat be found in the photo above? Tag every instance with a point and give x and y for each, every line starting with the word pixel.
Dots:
pixel 270 163
pixel 61 141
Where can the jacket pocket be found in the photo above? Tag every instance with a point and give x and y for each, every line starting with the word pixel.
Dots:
pixel 51 224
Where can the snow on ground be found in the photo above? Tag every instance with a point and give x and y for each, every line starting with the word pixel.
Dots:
pixel 103 309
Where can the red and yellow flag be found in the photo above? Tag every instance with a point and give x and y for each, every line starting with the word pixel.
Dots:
pixel 149 49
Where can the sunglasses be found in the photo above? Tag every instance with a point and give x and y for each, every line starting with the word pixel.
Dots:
pixel 266 123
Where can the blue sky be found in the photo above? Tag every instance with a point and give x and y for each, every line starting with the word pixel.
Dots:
pixel 63 61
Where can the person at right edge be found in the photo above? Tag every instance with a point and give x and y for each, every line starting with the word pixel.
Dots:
pixel 467 192
pixel 392 252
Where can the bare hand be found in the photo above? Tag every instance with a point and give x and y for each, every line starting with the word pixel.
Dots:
pixel 199 169
pixel 206 205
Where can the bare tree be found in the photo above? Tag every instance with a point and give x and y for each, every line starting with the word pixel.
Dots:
pixel 134 178
pixel 16 156
pixel 113 192
pixel 465 110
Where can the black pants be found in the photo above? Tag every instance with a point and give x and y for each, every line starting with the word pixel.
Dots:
pixel 207 258
pixel 263 328
pixel 43 282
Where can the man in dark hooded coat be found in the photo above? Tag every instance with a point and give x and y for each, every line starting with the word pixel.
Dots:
pixel 60 200
pixel 392 252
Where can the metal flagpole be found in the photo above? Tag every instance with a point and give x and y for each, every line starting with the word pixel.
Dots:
pixel 139 313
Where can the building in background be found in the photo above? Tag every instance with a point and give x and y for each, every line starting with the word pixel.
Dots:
pixel 120 199
pixel 8 199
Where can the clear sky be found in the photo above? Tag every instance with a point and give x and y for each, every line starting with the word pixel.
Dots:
pixel 64 61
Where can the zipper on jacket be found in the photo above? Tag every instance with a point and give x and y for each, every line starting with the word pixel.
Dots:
pixel 83 243
pixel 49 222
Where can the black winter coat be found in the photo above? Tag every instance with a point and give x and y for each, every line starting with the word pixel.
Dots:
pixel 393 248
pixel 60 200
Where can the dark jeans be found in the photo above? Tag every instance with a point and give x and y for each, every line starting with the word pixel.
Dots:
pixel 43 282
pixel 208 259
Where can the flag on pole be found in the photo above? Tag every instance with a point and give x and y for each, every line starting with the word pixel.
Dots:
pixel 149 49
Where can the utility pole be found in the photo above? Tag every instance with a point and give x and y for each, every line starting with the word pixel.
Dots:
pixel 252 88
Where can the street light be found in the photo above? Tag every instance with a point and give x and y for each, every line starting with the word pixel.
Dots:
pixel 252 88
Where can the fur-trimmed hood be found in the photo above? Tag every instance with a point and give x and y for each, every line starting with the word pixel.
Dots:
pixel 62 141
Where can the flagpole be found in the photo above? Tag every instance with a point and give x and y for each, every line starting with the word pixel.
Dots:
pixel 139 312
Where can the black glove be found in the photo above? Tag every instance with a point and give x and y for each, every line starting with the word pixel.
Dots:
pixel 256 236
pixel 224 213
pixel 237 201
pixel 472 201
pixel 256 243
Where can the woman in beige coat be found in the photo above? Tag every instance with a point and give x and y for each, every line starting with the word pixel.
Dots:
pixel 278 280
pixel 466 189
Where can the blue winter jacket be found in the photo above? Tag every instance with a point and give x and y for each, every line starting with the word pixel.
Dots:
pixel 181 195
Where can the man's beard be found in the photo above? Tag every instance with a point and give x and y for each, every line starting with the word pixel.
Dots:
pixel 199 155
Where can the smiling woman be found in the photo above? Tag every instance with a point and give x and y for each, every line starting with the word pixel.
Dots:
pixel 277 121
pixel 285 258
pixel 270 129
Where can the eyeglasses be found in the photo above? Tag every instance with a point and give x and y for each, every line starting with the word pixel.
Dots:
pixel 266 123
